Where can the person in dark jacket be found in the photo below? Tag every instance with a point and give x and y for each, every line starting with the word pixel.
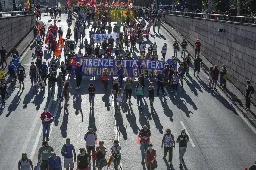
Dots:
pixel 215 76
pixel 3 91
pixel 197 65
pixel 78 72
pixel 151 93
pixel 91 91
pixel 253 167
pixel 182 139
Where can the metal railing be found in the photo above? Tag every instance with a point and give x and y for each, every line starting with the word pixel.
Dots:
pixel 14 13
pixel 217 17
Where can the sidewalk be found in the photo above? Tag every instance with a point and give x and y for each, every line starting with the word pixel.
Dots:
pixel 231 91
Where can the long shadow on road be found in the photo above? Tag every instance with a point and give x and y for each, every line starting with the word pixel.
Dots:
pixel 219 97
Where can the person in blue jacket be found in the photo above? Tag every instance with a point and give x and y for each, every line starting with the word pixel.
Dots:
pixel 15 60
pixel 44 72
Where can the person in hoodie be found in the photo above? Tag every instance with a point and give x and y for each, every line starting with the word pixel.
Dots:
pixel 79 74
pixel 91 91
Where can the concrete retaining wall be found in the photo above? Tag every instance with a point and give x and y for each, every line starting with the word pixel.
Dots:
pixel 14 29
pixel 236 47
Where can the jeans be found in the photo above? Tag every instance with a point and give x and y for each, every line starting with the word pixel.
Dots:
pixel 91 98
pixel 143 149
pixel 182 151
pixel 33 80
pixel 46 130
pixel 128 94
pixel 247 102
pixel 139 100
pixel 60 88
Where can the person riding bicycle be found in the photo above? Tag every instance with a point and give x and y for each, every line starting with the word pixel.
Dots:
pixel 116 153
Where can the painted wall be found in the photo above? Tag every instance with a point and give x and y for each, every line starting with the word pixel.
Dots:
pixel 14 29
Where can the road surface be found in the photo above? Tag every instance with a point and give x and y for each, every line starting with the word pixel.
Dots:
pixel 219 138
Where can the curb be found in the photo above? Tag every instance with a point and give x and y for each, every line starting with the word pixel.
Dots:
pixel 240 108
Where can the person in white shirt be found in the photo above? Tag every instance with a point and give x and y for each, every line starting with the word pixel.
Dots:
pixel 90 138
pixel 168 143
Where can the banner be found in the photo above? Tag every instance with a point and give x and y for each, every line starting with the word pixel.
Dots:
pixel 130 68
pixel 117 14
pixel 99 38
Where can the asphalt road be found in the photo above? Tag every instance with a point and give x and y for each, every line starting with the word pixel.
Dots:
pixel 220 138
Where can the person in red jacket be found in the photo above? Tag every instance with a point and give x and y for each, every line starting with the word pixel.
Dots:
pixel 47 119
pixel 197 47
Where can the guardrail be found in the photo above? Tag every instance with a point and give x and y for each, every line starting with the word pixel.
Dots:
pixel 15 13
pixel 217 17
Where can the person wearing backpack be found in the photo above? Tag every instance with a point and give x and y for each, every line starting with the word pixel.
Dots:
pixel 168 144
pixel 69 154
pixel 151 158
pixel 25 163
pixel 248 93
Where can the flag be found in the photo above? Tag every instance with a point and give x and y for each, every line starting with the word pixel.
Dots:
pixel 28 4
pixel 113 4
pixel 39 29
pixel 59 47
pixel 68 3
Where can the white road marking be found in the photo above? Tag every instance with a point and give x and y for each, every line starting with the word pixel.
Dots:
pixel 190 139
pixel 32 154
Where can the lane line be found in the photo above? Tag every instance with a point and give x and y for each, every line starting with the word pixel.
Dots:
pixel 190 139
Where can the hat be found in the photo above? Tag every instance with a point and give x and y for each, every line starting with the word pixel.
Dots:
pixel 150 145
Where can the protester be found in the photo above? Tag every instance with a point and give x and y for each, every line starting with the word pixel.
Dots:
pixel 144 137
pixel 47 119
pixel 25 163
pixel 182 139
pixel 82 160
pixel 91 139
pixel 54 162
pixel 69 154
pixel 150 156
pixel 43 154
pixel 248 94
pixel 101 161
pixel 168 143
